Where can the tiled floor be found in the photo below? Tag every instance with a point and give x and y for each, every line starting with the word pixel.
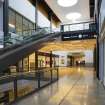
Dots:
pixel 77 86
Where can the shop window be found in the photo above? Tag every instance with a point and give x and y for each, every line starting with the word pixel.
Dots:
pixel 25 65
pixel 32 62
pixel 41 61
pixel 20 66
pixel 19 24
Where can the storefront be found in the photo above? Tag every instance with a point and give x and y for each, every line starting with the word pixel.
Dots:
pixel 34 61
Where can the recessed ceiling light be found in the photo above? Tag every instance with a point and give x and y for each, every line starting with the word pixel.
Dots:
pixel 67 3
pixel 73 16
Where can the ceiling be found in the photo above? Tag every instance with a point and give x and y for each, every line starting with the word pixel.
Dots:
pixel 69 45
pixel 82 7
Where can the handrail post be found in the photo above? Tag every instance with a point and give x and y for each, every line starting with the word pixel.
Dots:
pixel 57 73
pixel 15 89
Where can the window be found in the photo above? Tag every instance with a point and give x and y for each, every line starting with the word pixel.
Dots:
pixel 19 24
pixel 12 21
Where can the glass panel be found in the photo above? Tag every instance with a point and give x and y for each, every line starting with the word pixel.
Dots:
pixel 20 66
pixel 7 91
pixel 47 62
pixel 56 61
pixel 26 86
pixel 86 26
pixel 18 24
pixel 12 21
pixel 66 28
pixel 25 27
pixel 31 27
pixel 76 27
pixel 13 69
pixel 25 64
pixel 41 61
pixel 54 74
pixel 53 61
pixel 32 62
pixel 45 77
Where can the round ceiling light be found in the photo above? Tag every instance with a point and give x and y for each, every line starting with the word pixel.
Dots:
pixel 67 3
pixel 73 16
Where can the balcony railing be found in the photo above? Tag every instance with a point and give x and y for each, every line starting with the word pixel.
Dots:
pixel 17 85
pixel 91 26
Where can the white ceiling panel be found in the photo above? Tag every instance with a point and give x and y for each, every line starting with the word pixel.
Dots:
pixel 81 7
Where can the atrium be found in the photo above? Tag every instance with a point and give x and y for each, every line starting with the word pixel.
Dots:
pixel 52 52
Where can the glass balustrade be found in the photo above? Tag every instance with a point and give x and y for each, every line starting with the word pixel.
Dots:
pixel 17 85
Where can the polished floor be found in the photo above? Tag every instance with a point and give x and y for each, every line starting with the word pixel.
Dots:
pixel 76 86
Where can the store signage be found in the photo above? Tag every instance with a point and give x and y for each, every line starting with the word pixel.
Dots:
pixel 77 36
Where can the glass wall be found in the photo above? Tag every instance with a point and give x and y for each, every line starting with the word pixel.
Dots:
pixel 41 61
pixel 26 64
pixel 32 62
pixel 19 24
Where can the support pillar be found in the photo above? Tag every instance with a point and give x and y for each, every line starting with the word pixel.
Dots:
pixel 36 14
pixel 5 19
pixel 50 18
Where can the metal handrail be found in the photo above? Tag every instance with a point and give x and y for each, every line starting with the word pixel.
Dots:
pixel 21 41
pixel 79 23
pixel 24 73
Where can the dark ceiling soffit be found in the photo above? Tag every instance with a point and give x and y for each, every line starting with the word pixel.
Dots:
pixel 47 8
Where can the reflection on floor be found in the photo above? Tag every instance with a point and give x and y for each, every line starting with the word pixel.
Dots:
pixel 77 86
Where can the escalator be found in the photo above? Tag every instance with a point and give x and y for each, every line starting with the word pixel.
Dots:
pixel 20 46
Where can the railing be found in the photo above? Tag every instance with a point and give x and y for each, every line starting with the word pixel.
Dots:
pixel 16 40
pixel 18 85
pixel 91 26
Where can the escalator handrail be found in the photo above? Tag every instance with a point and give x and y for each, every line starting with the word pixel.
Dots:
pixel 27 39
pixel 22 74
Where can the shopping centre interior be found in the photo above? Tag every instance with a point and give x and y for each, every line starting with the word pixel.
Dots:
pixel 52 52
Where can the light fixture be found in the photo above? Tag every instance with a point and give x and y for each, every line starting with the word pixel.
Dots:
pixel 73 16
pixel 11 25
pixel 67 3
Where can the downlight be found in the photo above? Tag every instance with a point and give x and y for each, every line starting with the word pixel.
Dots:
pixel 67 3
pixel 73 16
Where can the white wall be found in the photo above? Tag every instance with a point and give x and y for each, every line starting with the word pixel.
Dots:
pixel 61 54
pixel 24 7
pixel 89 56
pixel 42 20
